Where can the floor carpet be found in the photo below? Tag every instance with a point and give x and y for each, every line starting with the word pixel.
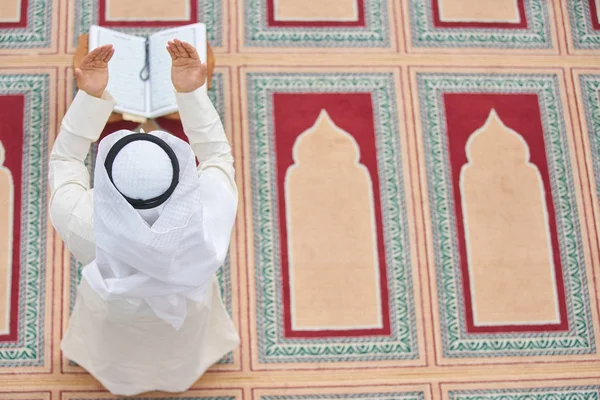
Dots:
pixel 419 196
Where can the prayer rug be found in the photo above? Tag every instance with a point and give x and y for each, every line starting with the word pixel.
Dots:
pixel 419 208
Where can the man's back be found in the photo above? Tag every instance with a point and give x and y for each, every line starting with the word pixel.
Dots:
pixel 133 309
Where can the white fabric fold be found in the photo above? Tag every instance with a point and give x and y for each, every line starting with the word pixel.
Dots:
pixel 169 261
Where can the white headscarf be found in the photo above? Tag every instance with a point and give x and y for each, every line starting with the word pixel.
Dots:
pixel 169 259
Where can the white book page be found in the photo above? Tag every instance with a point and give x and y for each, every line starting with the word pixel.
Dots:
pixel 124 82
pixel 162 92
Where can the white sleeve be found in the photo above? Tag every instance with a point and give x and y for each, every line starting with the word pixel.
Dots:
pixel 203 127
pixel 205 132
pixel 71 199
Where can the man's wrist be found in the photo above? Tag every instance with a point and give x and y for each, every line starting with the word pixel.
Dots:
pixel 97 94
pixel 187 90
pixel 87 114
pixel 180 89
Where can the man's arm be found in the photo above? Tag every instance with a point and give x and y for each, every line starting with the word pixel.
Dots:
pixel 205 132
pixel 71 202
pixel 203 127
pixel 199 118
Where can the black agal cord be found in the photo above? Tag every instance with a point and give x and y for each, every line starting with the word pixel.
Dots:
pixel 124 141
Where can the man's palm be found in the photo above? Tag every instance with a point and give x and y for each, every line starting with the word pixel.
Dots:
pixel 188 73
pixel 92 74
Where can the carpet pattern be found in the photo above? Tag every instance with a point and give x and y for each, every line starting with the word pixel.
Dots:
pixel 419 196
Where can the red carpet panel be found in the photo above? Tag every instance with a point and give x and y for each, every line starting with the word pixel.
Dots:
pixel 419 196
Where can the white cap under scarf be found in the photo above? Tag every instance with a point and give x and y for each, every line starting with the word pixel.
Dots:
pixel 163 255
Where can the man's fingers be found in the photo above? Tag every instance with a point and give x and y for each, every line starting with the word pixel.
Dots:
pixel 95 52
pixel 78 72
pixel 184 48
pixel 109 55
pixel 172 52
pixel 180 49
pixel 176 49
pixel 99 54
pixel 180 53
pixel 91 56
pixel 108 52
pixel 191 50
pixel 103 51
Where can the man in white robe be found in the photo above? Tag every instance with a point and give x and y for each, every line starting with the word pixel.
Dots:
pixel 151 234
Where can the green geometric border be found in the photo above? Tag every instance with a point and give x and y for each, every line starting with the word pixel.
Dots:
pixel 376 33
pixel 545 393
pixel 273 347
pixel 28 351
pixel 36 34
pixel 353 396
pixel 584 35
pixel 590 89
pixel 536 36
pixel 209 12
pixel 224 273
pixel 456 342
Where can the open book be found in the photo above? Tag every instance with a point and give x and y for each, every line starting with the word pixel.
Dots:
pixel 140 70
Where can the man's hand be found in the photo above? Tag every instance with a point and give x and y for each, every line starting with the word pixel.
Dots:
pixel 188 73
pixel 92 74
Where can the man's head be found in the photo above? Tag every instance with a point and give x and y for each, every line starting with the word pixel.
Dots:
pixel 143 168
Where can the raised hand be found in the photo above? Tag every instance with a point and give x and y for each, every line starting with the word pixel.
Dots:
pixel 92 74
pixel 188 73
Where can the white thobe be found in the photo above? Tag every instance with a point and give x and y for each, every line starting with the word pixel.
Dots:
pixel 122 343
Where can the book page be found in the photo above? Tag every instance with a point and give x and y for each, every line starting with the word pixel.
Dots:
pixel 124 82
pixel 162 96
